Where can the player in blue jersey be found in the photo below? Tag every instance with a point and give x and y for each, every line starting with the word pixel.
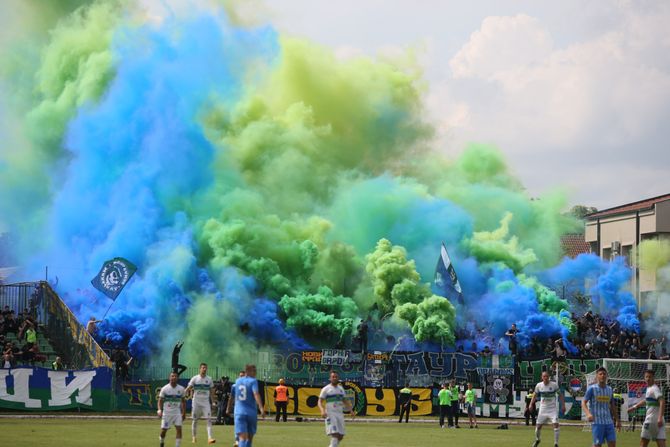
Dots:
pixel 600 409
pixel 247 402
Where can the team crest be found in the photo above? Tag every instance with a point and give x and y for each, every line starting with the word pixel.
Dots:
pixel 113 276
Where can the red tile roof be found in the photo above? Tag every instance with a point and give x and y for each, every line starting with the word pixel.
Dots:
pixel 574 244
pixel 629 207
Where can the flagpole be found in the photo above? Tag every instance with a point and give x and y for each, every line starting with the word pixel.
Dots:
pixel 110 306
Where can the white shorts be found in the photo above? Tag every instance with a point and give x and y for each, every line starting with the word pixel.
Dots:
pixel 651 431
pixel 201 410
pixel 335 424
pixel 168 420
pixel 547 418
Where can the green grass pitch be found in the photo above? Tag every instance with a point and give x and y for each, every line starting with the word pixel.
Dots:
pixel 132 432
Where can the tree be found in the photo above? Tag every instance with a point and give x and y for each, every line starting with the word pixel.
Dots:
pixel 581 211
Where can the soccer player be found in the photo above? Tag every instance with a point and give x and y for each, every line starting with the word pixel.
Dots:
pixel 333 402
pixel 237 437
pixel 599 407
pixel 202 387
pixel 171 408
pixel 247 402
pixel 547 392
pixel 654 424
pixel 471 405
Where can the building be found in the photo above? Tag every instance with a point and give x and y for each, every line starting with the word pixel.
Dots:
pixel 618 231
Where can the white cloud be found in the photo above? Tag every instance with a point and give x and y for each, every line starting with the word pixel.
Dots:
pixel 502 45
pixel 597 103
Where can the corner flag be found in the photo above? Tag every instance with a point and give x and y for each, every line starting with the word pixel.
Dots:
pixel 446 282
pixel 113 276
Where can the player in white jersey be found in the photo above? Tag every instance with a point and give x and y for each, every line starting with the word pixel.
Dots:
pixel 171 408
pixel 654 422
pixel 333 403
pixel 202 388
pixel 547 393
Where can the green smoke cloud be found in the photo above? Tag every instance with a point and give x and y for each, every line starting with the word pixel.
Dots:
pixel 72 69
pixel 397 288
pixel 433 319
pixel 76 67
pixel 207 320
pixel 281 254
pixel 321 316
pixel 653 254
pixel 480 181
pixel 316 160
pixel 549 302
pixel 547 299
pixel 499 246
pixel 394 278
pixel 299 141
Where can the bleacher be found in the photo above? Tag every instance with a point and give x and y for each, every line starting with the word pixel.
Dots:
pixel 59 333
pixel 45 347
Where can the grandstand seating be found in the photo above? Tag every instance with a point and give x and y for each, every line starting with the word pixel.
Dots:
pixel 59 332
pixel 45 348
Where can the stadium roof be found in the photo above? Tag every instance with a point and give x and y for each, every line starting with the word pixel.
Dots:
pixel 640 205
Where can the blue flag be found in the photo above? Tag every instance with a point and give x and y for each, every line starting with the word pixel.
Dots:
pixel 113 276
pixel 446 282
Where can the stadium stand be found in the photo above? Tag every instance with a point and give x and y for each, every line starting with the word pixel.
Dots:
pixel 59 333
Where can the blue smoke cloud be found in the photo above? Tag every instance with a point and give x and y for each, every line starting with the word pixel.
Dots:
pixel 138 157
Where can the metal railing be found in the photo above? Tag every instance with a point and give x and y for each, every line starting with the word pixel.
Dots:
pixel 22 296
pixel 308 378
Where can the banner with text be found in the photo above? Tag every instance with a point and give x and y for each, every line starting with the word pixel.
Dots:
pixel 42 389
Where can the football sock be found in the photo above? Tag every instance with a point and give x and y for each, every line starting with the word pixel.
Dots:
pixel 556 431
pixel 209 429
pixel 194 427
pixel 537 432
pixel 177 442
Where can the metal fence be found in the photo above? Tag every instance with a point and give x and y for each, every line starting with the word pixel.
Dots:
pixel 24 296
pixel 313 377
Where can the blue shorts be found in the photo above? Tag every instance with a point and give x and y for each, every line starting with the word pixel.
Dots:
pixel 246 423
pixel 603 433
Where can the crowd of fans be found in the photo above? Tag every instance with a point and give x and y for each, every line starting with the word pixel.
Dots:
pixel 23 348
pixel 599 337
pixel 594 336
